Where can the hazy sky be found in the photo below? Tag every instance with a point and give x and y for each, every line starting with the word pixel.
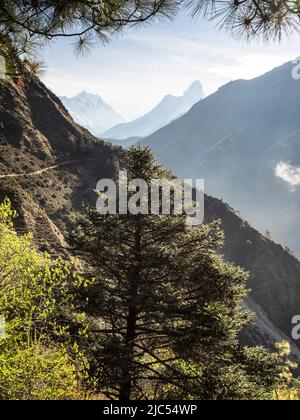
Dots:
pixel 133 73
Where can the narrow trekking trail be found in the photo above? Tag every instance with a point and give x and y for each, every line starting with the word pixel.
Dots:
pixel 40 171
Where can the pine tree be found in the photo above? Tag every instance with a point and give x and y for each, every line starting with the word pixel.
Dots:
pixel 261 19
pixel 25 26
pixel 166 309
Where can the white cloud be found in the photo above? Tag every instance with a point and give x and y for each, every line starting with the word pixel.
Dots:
pixel 289 173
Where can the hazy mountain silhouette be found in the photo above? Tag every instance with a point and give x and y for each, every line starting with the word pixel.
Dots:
pixel 245 141
pixel 170 108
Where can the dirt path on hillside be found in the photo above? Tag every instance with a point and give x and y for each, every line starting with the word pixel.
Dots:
pixel 40 171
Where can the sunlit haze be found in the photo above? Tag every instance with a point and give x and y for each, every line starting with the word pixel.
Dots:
pixel 134 72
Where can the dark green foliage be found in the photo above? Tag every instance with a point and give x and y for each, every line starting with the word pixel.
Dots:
pixel 166 309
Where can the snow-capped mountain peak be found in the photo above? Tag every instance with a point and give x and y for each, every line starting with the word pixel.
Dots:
pixel 92 112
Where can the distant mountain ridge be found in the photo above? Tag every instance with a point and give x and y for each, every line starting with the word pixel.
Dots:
pixel 169 109
pixel 92 112
pixel 244 140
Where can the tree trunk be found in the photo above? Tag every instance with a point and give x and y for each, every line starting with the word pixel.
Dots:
pixel 128 366
pixel 126 384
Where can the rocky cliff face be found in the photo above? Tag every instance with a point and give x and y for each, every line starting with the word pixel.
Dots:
pixel 49 165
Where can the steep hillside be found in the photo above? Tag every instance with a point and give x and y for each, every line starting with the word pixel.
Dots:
pixel 37 133
pixel 235 139
pixel 49 166
pixel 170 108
pixel 274 273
